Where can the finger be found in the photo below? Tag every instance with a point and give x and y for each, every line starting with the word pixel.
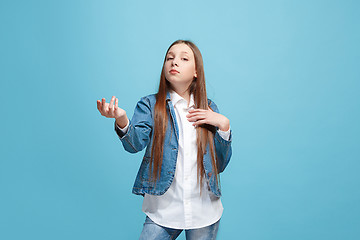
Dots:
pixel 103 105
pixel 111 105
pixel 197 110
pixel 196 118
pixel 100 105
pixel 116 103
pixel 199 122
pixel 199 114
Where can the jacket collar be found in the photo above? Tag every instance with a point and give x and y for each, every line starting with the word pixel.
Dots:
pixel 168 98
pixel 175 98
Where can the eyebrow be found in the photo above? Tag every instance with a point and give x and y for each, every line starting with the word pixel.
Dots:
pixel 173 53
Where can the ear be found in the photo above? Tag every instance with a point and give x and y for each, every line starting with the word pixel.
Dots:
pixel 195 75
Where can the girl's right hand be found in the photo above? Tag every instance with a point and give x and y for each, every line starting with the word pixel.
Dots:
pixel 110 110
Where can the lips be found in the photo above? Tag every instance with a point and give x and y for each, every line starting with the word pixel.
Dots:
pixel 173 71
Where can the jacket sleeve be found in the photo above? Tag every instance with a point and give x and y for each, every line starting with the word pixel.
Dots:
pixel 222 147
pixel 137 136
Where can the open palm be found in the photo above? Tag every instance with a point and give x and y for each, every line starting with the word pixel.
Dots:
pixel 110 110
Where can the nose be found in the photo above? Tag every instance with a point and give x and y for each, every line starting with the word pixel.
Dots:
pixel 174 62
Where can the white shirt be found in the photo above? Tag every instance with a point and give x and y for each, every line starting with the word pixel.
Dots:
pixel 181 206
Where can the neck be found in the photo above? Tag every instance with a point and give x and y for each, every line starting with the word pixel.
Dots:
pixel 183 92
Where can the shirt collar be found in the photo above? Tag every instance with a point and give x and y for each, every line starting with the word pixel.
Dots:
pixel 175 98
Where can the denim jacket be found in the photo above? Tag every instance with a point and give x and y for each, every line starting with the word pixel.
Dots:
pixel 139 135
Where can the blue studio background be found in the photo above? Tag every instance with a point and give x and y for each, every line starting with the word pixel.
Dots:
pixel 286 74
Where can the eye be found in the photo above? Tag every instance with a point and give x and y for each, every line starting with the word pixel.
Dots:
pixel 185 59
pixel 169 58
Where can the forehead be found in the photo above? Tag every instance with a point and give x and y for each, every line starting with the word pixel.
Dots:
pixel 180 48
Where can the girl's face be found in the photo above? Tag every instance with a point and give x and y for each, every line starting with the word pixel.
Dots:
pixel 179 66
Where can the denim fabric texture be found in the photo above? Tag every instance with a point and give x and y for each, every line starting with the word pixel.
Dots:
pixel 153 231
pixel 139 136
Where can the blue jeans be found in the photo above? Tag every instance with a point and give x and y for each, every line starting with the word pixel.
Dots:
pixel 153 231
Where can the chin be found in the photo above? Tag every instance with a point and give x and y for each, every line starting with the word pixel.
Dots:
pixel 174 80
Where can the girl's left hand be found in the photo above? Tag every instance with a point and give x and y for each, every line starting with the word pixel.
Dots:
pixel 201 116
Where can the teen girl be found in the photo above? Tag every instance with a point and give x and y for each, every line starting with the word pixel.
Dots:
pixel 188 143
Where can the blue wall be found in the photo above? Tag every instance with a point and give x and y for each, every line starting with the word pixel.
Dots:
pixel 286 74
